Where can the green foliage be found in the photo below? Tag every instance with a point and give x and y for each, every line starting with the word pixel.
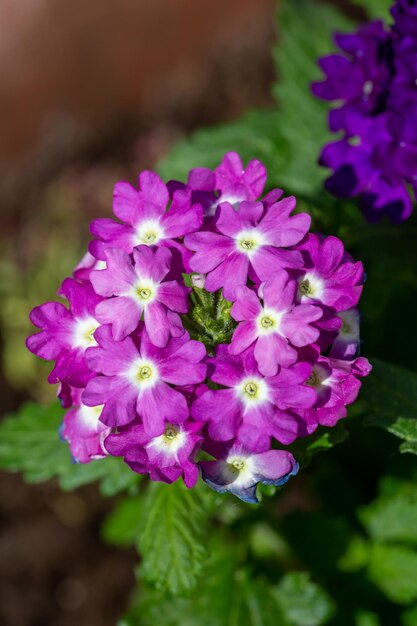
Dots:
pixel 392 517
pixel 29 443
pixel 122 526
pixel 286 139
pixel 366 618
pixel 256 135
pixel 231 596
pixel 391 394
pixel 171 537
pixel 305 31
pixel 323 439
pixel 303 602
pixel 393 569
pixel 388 556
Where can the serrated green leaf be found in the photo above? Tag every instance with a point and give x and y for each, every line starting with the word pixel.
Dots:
pixel 30 444
pixel 302 601
pixel 393 517
pixel 306 30
pixel 256 135
pixel 391 393
pixel 287 139
pixel 394 570
pixel 171 539
pixel 229 596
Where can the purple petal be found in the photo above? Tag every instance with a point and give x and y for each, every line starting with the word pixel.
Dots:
pixel 246 306
pixel 244 336
pixel 161 403
pixel 122 313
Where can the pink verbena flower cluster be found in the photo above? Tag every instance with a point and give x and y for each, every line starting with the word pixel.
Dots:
pixel 207 318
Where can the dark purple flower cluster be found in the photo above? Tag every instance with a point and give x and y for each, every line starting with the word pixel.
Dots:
pixel 141 382
pixel 374 82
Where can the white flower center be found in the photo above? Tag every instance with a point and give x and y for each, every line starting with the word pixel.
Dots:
pixel 90 414
pixel 367 87
pixel 310 286
pixel 240 470
pixel 318 378
pixel 252 391
pixel 269 321
pixel 170 442
pixel 149 233
pixel 144 291
pixel 349 330
pixel 143 374
pixel 249 241
pixel 83 333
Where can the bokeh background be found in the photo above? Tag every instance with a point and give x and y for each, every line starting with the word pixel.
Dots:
pixel 92 92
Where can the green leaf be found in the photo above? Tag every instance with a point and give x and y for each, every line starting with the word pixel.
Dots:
pixel 287 139
pixel 228 596
pixel 409 617
pixel 356 556
pixel 302 601
pixel 305 30
pixel 391 393
pixel 256 135
pixel 121 527
pixel 30 444
pixel 171 540
pixel 323 439
pixel 366 618
pixel 394 570
pixel 392 517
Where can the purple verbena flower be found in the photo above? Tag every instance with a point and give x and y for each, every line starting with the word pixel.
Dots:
pixel 337 384
pixel 139 288
pixel 330 277
pixel 250 238
pixel 373 83
pixel 346 343
pixel 84 432
pixel 253 407
pixel 277 327
pixel 229 182
pixel 146 218
pixel 165 457
pixel 239 471
pixel 404 13
pixel 137 379
pixel 67 333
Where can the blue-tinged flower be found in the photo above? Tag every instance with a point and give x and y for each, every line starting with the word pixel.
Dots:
pixel 239 472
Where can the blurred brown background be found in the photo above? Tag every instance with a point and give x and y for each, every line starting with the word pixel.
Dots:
pixel 92 92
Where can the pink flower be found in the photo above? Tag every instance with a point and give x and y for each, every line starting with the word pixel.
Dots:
pixel 251 238
pixel 139 379
pixel 139 288
pixel 277 327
